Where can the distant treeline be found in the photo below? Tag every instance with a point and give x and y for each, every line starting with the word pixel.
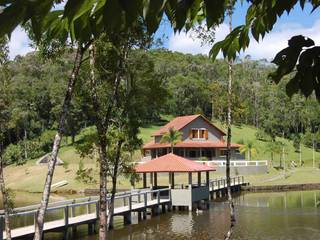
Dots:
pixel 181 84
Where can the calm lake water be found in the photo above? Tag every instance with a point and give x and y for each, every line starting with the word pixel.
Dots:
pixel 288 215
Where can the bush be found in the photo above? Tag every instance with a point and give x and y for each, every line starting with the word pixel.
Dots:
pixel 46 140
pixel 262 136
pixel 13 154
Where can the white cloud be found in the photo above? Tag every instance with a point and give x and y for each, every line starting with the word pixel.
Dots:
pixel 19 43
pixel 267 48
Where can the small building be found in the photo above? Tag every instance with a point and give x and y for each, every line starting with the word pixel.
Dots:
pixel 182 195
pixel 201 140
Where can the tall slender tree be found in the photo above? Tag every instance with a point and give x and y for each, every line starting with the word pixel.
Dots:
pixel 3 125
pixel 229 122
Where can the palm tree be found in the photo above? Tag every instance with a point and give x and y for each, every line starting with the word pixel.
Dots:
pixel 172 136
pixel 249 149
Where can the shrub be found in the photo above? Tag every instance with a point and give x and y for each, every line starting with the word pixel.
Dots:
pixel 262 136
pixel 13 154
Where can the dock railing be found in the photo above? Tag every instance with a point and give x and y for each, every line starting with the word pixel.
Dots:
pixel 71 209
pixel 220 183
pixel 235 163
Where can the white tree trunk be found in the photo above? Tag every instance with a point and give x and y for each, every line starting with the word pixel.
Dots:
pixel 56 145
pixel 229 122
pixel 5 201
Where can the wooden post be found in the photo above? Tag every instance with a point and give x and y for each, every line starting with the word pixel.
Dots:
pixel 190 179
pixel 151 180
pixel 144 180
pixel 172 180
pixel 145 200
pixel 73 214
pixel 66 222
pixel 66 216
pixel 155 175
pixel 199 179
pixel 130 203
pixel 158 197
pixel 1 227
pixel 89 206
pixel 207 178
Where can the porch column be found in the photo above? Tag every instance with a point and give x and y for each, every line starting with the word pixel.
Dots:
pixel 199 179
pixel 144 180
pixel 172 180
pixel 190 180
pixel 207 178
pixel 151 179
pixel 155 175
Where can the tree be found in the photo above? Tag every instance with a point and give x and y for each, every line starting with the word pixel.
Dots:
pixel 229 122
pixel 4 115
pixel 172 137
pixel 273 147
pixel 249 149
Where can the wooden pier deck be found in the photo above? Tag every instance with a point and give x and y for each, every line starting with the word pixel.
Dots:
pixel 126 203
pixel 60 216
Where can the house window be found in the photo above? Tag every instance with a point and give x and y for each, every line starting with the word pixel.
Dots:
pixel 198 133
pixel 195 133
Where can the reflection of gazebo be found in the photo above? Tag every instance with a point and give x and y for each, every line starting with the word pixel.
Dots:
pixel 171 163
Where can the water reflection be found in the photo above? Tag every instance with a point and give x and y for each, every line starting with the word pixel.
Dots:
pixel 260 216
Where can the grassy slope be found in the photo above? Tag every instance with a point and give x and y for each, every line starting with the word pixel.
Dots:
pixel 31 177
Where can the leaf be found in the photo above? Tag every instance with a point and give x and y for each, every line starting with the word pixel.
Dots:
pixel 215 10
pixel 76 8
pixel 215 50
pixel 11 17
pixel 133 9
pixel 153 12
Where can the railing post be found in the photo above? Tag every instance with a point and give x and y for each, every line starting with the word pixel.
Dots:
pixel 1 227
pixel 158 196
pixel 89 206
pixel 73 209
pixel 145 199
pixel 130 202
pixel 66 216
pixel 97 209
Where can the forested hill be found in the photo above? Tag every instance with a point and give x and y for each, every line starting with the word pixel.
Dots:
pixel 170 83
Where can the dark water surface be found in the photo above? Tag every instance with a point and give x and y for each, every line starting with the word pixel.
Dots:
pixel 290 215
pixel 287 215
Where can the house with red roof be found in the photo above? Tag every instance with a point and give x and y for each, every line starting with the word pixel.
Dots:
pixel 201 140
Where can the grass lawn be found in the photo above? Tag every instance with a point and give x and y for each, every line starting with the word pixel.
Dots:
pixel 30 177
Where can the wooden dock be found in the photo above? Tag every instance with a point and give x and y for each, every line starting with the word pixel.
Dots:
pixel 138 201
pixel 84 211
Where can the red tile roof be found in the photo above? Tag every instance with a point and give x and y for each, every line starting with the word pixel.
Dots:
pixel 172 163
pixel 180 122
pixel 191 144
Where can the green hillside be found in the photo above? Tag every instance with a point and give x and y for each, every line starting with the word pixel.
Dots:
pixel 247 133
pixel 33 176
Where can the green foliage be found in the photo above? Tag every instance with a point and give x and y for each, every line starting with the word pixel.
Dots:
pixel 85 175
pixel 172 137
pixel 262 135
pixel 13 154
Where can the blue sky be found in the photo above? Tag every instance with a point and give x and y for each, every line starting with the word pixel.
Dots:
pixel 298 22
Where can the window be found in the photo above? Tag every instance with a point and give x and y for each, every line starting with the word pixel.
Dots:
pixel 195 133
pixel 202 133
pixel 198 133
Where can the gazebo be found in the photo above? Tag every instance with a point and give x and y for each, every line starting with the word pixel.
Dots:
pixel 182 195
